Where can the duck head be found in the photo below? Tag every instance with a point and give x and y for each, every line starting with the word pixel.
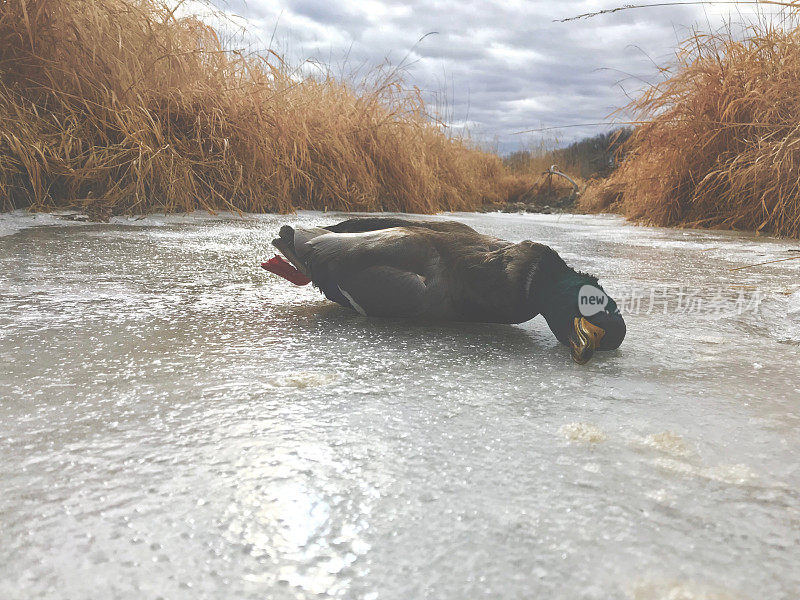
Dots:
pixel 582 316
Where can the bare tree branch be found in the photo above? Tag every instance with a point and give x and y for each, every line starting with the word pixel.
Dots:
pixel 790 4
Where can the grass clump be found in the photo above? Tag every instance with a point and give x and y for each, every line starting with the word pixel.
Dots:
pixel 720 146
pixel 122 106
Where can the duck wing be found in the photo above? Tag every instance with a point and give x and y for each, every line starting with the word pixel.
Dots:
pixel 384 272
pixel 386 292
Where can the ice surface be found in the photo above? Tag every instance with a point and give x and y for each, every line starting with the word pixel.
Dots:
pixel 176 422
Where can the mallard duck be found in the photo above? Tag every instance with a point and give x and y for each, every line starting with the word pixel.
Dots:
pixel 445 270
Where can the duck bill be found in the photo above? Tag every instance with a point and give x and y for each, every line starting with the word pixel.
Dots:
pixel 584 339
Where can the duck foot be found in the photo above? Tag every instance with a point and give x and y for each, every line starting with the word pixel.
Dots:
pixel 282 267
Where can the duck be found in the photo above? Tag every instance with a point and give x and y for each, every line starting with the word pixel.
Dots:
pixel 444 270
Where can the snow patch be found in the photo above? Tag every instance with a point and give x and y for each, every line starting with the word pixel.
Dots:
pixel 678 590
pixel 668 442
pixel 17 220
pixel 734 474
pixel 583 432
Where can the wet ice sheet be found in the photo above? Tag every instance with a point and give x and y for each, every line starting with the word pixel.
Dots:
pixel 176 422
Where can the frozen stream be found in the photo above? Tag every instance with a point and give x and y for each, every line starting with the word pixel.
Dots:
pixel 177 423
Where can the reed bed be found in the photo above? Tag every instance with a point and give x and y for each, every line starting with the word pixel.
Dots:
pixel 122 106
pixel 720 141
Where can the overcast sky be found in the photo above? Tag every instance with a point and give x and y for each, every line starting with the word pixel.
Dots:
pixel 498 67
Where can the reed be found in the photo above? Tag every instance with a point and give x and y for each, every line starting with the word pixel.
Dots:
pixel 720 145
pixel 122 106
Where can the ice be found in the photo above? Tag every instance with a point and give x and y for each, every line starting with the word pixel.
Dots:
pixel 176 422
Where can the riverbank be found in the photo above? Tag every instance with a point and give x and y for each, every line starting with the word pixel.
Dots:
pixel 130 106
pixel 717 143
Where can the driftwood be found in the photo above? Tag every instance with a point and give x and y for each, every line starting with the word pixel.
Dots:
pixel 554 170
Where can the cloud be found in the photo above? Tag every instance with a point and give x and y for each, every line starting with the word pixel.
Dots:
pixel 501 67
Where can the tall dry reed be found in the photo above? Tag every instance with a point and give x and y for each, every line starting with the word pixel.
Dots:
pixel 721 143
pixel 122 106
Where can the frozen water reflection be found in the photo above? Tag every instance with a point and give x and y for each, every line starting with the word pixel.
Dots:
pixel 176 422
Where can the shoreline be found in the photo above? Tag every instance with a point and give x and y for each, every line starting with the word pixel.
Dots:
pixel 12 222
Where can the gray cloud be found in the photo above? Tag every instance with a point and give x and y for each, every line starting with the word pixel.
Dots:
pixel 502 67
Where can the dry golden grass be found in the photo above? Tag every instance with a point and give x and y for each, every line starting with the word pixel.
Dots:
pixel 120 106
pixel 721 143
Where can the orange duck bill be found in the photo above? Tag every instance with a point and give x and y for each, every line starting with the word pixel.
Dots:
pixel 584 340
